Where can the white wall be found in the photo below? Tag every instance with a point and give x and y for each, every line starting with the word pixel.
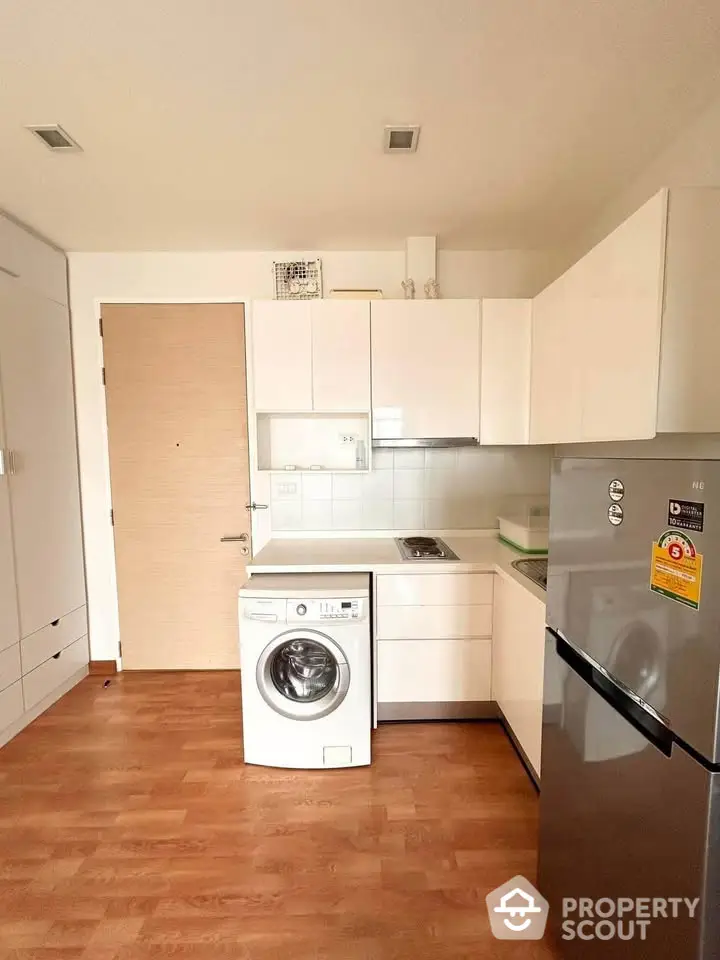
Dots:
pixel 235 276
pixel 692 159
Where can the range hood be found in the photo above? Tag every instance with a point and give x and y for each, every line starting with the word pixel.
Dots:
pixel 425 442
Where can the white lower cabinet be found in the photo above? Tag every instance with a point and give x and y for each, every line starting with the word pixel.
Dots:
pixel 433 639
pixel 518 664
pixel 423 671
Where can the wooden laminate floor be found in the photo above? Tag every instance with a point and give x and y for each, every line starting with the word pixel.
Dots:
pixel 131 829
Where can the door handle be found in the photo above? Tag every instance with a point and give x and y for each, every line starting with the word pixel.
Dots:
pixel 7 463
pixel 242 537
pixel 256 506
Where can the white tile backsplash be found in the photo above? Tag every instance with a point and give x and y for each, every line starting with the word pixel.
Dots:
pixel 348 486
pixel 409 459
pixel 439 489
pixel 286 514
pixel 383 459
pixel 317 486
pixel 408 515
pixel 378 485
pixel 408 484
pixel 347 514
pixel 317 514
pixel 377 514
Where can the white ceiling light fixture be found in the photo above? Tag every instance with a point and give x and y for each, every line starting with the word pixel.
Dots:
pixel 402 138
pixel 55 138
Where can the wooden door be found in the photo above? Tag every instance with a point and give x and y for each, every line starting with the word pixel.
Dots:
pixel 282 356
pixel 39 410
pixel 340 355
pixel 425 368
pixel 177 425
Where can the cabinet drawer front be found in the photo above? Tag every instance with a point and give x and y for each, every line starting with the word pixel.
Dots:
pixel 428 623
pixel 434 589
pixel 9 666
pixel 413 671
pixel 11 705
pixel 44 679
pixel 45 643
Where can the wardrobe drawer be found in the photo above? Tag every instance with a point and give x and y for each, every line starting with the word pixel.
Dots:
pixel 48 676
pixel 11 705
pixel 45 643
pixel 9 666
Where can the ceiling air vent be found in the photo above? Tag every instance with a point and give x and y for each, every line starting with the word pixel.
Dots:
pixel 401 139
pixel 55 138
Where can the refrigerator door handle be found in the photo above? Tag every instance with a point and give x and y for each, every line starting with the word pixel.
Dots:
pixel 631 707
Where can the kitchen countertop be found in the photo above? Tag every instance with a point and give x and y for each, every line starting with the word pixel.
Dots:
pixel 480 554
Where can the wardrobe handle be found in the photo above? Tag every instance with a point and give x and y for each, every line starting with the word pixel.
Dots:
pixel 56 656
pixel 54 623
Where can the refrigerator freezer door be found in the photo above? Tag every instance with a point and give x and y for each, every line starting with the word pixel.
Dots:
pixel 621 818
pixel 618 527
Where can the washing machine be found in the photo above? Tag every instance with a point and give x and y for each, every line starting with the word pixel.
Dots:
pixel 305 648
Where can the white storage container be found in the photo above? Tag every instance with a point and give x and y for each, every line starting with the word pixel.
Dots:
pixel 526 532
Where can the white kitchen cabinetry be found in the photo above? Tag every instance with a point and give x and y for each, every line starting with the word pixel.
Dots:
pixel 42 591
pixel 505 372
pixel 689 397
pixel 518 664
pixel 596 338
pixel 282 355
pixel 311 356
pixel 340 355
pixel 433 645
pixel 425 368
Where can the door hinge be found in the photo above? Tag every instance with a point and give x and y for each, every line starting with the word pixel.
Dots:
pixel 103 376
pixel 112 518
pixel 101 326
pixel 120 648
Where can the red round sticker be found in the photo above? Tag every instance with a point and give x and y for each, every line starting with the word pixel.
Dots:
pixel 675 551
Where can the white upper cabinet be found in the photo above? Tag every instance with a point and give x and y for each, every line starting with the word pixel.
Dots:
pixel 596 338
pixel 340 355
pixel 556 376
pixel 282 355
pixel 689 400
pixel 425 368
pixel 505 372
pixel 311 355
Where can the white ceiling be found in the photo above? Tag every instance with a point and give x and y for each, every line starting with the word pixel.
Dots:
pixel 225 124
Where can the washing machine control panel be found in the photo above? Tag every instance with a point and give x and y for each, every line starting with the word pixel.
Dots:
pixel 352 608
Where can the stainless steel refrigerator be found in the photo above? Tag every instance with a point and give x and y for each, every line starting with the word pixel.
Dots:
pixel 630 790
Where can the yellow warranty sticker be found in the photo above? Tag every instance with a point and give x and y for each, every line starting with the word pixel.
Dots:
pixel 676 568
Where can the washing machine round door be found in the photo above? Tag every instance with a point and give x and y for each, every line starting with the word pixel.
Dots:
pixel 303 675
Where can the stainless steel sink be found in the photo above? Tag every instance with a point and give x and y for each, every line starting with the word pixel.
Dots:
pixel 534 569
